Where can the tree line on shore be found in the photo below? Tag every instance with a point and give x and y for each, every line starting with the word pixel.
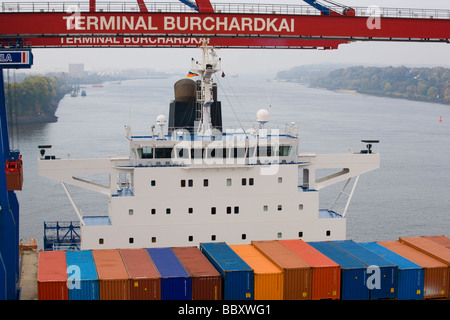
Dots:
pixel 35 96
pixel 425 84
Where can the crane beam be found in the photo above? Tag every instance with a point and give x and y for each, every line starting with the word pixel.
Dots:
pixel 146 24
pixel 169 42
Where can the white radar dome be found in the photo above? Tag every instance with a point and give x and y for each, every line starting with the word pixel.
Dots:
pixel 161 119
pixel 262 116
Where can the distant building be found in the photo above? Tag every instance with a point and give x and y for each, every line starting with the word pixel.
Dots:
pixel 76 70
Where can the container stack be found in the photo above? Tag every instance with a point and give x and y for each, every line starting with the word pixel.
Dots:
pixel 435 271
pixel 268 278
pixel 175 280
pixel 326 274
pixel 52 276
pixel 238 277
pixel 206 280
pixel 145 281
pixel 114 282
pixel 296 272
pixel 82 276
pixel 414 268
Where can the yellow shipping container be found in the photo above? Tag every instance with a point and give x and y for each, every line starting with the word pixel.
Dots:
pixel 268 277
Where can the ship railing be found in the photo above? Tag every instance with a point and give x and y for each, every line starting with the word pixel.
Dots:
pixel 243 8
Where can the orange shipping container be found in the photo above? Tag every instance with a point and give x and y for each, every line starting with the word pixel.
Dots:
pixel 52 276
pixel 296 273
pixel 326 274
pixel 268 277
pixel 432 249
pixel 145 281
pixel 428 247
pixel 435 272
pixel 442 240
pixel 113 277
pixel 206 280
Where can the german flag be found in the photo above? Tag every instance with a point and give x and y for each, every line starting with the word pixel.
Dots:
pixel 191 74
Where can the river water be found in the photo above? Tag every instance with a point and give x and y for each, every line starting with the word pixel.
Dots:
pixel 408 196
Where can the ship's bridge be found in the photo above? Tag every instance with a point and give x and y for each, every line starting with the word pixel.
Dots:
pixel 234 146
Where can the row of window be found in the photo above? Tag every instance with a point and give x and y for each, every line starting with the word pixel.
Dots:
pixel 190 182
pixel 199 153
pixel 214 237
pixel 229 210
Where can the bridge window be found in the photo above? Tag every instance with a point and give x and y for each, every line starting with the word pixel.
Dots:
pixel 163 153
pixel 145 153
pixel 284 151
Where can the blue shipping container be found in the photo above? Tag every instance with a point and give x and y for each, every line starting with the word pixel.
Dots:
pixel 175 280
pixel 410 275
pixel 353 271
pixel 82 276
pixel 382 274
pixel 238 277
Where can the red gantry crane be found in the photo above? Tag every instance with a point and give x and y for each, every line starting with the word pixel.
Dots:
pixel 26 25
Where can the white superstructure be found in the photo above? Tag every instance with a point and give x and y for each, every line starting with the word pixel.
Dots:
pixel 211 184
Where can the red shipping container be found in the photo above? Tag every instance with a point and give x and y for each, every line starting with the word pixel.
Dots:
pixel 145 281
pixel 52 276
pixel 296 272
pixel 326 274
pixel 206 280
pixel 114 283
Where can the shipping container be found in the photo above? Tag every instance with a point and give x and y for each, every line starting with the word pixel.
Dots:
pixel 326 274
pixel 353 271
pixel 114 282
pixel 428 247
pixel 145 282
pixel 52 276
pixel 176 284
pixel 238 277
pixel 205 279
pixel 435 272
pixel 268 277
pixel 82 276
pixel 410 275
pixel 382 278
pixel 442 240
pixel 297 274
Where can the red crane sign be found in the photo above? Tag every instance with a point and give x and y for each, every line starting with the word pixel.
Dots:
pixel 241 26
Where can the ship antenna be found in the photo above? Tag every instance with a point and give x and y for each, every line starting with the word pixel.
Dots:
pixel 209 65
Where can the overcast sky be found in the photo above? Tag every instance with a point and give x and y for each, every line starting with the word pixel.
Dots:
pixel 251 60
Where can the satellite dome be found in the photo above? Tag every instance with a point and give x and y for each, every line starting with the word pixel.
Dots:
pixel 161 119
pixel 262 116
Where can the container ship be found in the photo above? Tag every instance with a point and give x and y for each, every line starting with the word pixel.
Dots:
pixel 202 212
